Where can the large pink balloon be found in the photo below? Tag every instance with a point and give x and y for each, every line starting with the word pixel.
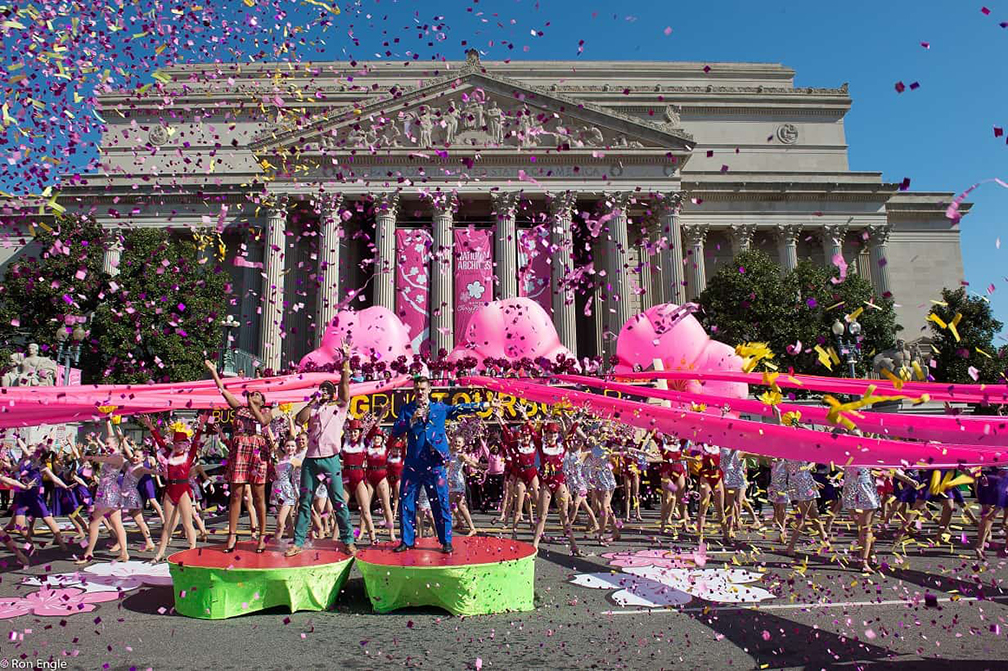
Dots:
pixel 374 332
pixel 513 328
pixel 670 333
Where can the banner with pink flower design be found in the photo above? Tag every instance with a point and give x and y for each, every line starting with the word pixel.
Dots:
pixel 413 256
pixel 473 250
pixel 534 267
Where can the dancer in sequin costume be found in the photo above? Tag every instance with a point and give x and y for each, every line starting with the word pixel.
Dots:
pixel 779 496
pixel 804 491
pixel 107 497
pixel 860 498
pixel 285 495
pixel 458 459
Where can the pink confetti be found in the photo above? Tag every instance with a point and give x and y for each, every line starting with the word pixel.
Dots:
pixel 973 373
pixel 668 30
pixel 985 11
pixel 926 45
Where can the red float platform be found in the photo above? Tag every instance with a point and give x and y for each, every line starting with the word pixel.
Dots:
pixel 211 584
pixel 483 575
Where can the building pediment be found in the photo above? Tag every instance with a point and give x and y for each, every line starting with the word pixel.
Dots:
pixel 473 110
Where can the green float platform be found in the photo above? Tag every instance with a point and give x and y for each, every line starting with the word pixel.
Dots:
pixel 484 575
pixel 212 585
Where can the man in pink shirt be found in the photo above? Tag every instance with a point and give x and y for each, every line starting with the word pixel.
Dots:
pixel 326 414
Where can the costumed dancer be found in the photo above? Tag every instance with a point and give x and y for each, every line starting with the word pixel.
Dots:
pixel 30 502
pixel 860 498
pixel 631 467
pixel 248 458
pixel 522 446
pixel 130 501
pixel 284 495
pixel 16 486
pixel 602 483
pixel 354 464
pixel 577 481
pixel 711 485
pixel 326 415
pixel 423 423
pixel 148 487
pixel 458 459
pixel 378 476
pixel 176 462
pixel 673 479
pixel 395 469
pixel 63 500
pixel 107 500
pixel 779 496
pixel 992 493
pixel 733 477
pixel 554 482
pixel 804 491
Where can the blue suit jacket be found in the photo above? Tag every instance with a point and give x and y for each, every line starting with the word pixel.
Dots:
pixel 426 442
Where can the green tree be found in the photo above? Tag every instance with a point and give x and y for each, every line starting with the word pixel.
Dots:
pixel 64 278
pixel 161 314
pixel 744 302
pixel 977 328
pixel 750 301
pixel 155 321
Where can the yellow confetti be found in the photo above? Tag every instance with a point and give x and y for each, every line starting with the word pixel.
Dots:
pixel 918 371
pixel 952 325
pixel 937 320
pixel 854 315
pixel 824 358
pixel 896 382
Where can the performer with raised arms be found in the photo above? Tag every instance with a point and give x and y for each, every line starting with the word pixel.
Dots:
pixel 326 415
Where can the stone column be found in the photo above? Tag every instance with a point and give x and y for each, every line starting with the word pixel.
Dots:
pixel 252 305
pixel 696 236
pixel 674 290
pixel 505 205
pixel 617 274
pixel 788 249
pixel 833 236
pixel 113 253
pixel 877 252
pixel 741 238
pixel 644 270
pixel 443 274
pixel 270 344
pixel 328 298
pixel 386 210
pixel 561 265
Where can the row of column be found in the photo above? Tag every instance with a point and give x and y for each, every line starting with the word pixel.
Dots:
pixel 833 236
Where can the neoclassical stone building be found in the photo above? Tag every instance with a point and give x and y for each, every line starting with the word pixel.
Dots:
pixel 597 188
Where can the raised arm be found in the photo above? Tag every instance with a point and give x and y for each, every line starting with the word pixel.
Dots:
pixel 344 383
pixel 231 399
pixel 155 434
pixel 11 482
pixel 401 423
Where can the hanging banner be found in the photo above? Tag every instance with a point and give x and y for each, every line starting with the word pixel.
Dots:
pixel 413 256
pixel 534 267
pixel 473 275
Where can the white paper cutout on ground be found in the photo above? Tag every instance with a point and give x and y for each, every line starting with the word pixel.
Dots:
pixel 108 577
pixel 648 581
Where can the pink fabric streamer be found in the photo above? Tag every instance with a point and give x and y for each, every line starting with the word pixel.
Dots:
pixel 987 432
pixel 957 393
pixel 952 212
pixel 771 440
pixel 30 406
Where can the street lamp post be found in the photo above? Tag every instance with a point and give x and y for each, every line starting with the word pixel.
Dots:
pixel 226 361
pixel 68 352
pixel 846 334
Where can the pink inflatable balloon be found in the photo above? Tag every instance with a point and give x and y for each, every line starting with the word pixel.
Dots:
pixel 670 333
pixel 514 328
pixel 374 332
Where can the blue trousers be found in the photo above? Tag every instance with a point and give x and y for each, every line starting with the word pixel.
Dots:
pixel 434 480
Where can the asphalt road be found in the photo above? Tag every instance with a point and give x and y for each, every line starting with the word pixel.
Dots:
pixel 935 609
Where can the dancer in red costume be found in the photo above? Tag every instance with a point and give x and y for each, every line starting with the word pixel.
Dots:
pixel 377 477
pixel 354 463
pixel 673 476
pixel 176 462
pixel 522 444
pixel 551 471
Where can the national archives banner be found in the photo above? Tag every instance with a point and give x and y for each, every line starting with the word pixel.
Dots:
pixel 473 274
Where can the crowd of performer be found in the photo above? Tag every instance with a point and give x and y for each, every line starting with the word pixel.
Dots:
pixel 301 476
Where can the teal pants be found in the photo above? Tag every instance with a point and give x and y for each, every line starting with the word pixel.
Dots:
pixel 331 469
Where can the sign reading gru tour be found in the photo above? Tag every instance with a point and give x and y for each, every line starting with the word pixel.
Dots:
pixel 361 405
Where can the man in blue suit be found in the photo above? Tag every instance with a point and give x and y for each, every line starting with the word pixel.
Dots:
pixel 423 422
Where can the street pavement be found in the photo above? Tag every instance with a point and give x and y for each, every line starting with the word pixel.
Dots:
pixel 935 608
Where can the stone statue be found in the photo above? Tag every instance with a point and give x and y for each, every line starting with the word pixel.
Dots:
pixel 592 136
pixel 473 119
pixel 391 136
pixel 672 117
pixel 32 370
pixel 356 137
pixel 495 123
pixel 451 122
pixel 426 126
pixel 525 138
pixel 898 361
